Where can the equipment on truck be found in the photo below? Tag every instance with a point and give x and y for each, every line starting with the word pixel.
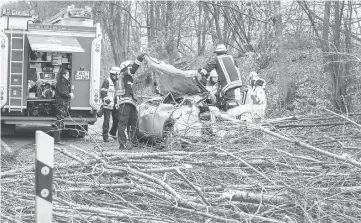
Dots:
pixel 32 53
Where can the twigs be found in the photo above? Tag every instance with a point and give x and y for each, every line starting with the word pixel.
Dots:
pixel 265 174
pixel 244 162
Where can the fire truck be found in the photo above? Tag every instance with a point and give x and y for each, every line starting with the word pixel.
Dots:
pixel 31 54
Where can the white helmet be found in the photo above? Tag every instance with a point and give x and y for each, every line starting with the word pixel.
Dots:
pixel 125 64
pixel 213 73
pixel 221 48
pixel 253 76
pixel 115 70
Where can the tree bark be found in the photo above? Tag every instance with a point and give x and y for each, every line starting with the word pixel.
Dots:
pixel 339 84
pixel 151 24
pixel 325 31
pixel 286 95
pixel 171 44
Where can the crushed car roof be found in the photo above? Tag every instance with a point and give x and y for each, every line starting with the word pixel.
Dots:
pixel 174 80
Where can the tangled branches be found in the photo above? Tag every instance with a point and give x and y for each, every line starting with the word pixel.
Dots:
pixel 304 169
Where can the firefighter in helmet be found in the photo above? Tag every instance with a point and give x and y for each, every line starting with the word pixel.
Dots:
pixel 107 93
pixel 229 78
pixel 126 102
pixel 258 96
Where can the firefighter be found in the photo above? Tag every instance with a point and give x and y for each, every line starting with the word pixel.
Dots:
pixel 258 96
pixel 126 103
pixel 254 107
pixel 229 78
pixel 62 99
pixel 212 85
pixel 107 93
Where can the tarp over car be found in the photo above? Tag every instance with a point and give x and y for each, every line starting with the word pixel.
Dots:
pixel 174 80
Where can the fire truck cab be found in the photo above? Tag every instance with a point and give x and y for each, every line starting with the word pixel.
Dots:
pixel 32 53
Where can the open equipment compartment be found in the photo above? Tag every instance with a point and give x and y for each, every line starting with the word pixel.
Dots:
pixel 42 76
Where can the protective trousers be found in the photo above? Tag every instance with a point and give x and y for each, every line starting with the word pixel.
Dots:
pixel 61 113
pixel 113 131
pixel 128 119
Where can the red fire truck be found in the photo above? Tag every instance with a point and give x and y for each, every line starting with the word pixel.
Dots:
pixel 31 54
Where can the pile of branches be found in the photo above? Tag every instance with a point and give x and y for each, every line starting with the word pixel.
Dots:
pixel 296 169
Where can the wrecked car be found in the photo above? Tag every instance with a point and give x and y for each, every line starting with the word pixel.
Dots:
pixel 183 110
pixel 178 110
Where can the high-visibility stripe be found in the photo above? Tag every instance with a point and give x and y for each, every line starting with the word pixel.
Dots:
pixel 137 62
pixel 203 71
pixel 120 88
pixel 225 72
pixel 245 94
pixel 123 100
pixel 237 95
pixel 44 177
pixel 103 89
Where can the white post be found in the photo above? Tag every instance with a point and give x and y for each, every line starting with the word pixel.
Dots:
pixel 44 177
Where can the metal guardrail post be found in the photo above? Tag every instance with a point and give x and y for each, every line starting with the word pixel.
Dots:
pixel 44 177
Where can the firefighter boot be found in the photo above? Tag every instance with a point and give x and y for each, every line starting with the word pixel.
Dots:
pixel 114 136
pixel 57 139
pixel 105 138
pixel 133 139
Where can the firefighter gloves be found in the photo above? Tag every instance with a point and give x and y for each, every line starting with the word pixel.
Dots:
pixel 141 57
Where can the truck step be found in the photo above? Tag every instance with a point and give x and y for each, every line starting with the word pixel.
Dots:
pixel 17 49
pixel 18 98
pixel 16 61
pixel 17 37
pixel 17 73
pixel 16 85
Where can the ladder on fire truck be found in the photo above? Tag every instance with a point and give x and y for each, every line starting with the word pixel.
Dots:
pixel 13 94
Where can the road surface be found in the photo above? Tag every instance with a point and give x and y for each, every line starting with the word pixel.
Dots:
pixel 25 135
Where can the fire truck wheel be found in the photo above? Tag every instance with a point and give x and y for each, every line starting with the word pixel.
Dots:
pixel 7 129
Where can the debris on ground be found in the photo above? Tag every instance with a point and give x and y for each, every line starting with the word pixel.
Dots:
pixel 294 169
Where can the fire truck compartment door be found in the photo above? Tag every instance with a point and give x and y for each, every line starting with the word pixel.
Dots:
pixel 61 44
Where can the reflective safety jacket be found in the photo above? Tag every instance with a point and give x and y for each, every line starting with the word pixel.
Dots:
pixel 229 77
pixel 124 85
pixel 259 101
pixel 107 91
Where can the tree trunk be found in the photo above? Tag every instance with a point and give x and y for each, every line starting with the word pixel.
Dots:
pixel 170 32
pixel 216 22
pixel 286 95
pixel 151 23
pixel 325 31
pixel 199 29
pixel 339 84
